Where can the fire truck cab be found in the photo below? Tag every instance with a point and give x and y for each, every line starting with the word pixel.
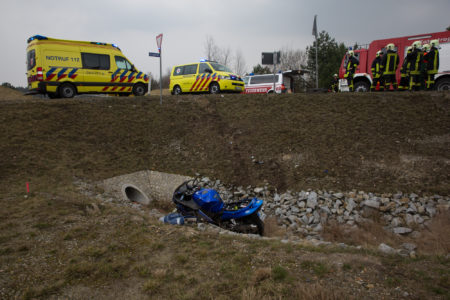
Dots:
pixel 363 75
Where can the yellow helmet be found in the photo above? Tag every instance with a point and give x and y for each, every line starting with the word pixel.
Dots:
pixel 379 52
pixel 390 46
pixel 427 47
pixel 408 49
pixel 351 52
pixel 434 43
pixel 417 45
pixel 335 75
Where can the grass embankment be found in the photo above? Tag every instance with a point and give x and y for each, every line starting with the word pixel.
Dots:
pixel 57 242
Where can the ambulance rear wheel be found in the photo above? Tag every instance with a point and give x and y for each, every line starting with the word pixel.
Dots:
pixel 139 90
pixel 67 90
pixel 176 90
pixel 214 88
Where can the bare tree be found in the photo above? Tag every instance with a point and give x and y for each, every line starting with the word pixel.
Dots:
pixel 239 62
pixel 211 49
pixel 225 56
pixel 292 59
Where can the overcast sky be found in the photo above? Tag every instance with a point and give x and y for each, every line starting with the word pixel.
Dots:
pixel 253 26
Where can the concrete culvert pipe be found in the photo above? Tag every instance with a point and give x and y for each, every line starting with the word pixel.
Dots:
pixel 134 194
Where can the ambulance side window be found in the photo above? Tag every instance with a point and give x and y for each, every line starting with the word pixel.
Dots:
pixel 190 69
pixel 95 61
pixel 178 71
pixel 31 59
pixel 203 68
pixel 122 63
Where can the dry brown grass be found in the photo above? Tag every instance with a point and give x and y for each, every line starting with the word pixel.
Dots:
pixel 435 238
pixel 299 291
pixel 272 229
pixel 367 234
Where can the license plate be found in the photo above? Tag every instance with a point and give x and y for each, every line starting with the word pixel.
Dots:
pixel 238 88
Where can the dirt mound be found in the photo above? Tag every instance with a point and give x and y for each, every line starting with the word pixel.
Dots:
pixel 383 142
pixel 11 94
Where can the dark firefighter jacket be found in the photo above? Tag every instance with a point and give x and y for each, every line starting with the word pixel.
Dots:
pixel 389 63
pixel 416 61
pixel 352 64
pixel 433 61
pixel 406 64
pixel 376 67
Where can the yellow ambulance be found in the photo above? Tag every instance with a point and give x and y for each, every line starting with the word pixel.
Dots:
pixel 205 76
pixel 64 68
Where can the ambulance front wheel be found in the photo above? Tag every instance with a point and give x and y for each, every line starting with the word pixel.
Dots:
pixel 139 90
pixel 67 90
pixel 214 88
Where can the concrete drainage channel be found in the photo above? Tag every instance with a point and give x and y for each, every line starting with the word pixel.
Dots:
pixel 134 194
pixel 144 187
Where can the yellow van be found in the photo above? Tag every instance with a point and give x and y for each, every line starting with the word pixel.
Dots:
pixel 206 76
pixel 63 68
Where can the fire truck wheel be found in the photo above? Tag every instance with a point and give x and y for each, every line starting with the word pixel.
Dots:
pixel 362 86
pixel 443 84
pixel 176 90
pixel 67 90
pixel 214 88
pixel 139 89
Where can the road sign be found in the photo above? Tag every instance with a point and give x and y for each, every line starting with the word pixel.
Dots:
pixel 159 40
pixel 267 58
pixel 154 54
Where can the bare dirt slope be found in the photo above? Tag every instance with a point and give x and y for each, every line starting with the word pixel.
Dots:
pixel 11 94
pixel 57 243
pixel 384 142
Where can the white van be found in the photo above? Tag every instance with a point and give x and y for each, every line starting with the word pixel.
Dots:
pixel 263 84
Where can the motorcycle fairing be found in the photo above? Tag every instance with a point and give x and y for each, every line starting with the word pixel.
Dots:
pixel 254 205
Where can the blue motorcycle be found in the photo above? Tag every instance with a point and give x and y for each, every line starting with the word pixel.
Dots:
pixel 194 201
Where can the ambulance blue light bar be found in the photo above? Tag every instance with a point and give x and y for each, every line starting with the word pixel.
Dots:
pixel 37 37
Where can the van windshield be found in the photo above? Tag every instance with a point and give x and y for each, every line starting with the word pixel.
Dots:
pixel 219 67
pixel 31 59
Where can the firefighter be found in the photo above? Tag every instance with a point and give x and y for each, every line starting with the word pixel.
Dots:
pixel 376 72
pixel 415 82
pixel 350 69
pixel 334 84
pixel 404 71
pixel 432 63
pixel 389 65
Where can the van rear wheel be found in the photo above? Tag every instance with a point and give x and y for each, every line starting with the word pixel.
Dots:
pixel 214 88
pixel 67 90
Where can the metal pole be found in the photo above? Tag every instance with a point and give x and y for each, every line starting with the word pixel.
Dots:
pixel 160 77
pixel 274 68
pixel 317 65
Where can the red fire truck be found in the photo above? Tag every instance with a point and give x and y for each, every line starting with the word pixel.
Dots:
pixel 365 55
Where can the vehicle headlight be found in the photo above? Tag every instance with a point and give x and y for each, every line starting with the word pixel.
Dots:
pixel 224 77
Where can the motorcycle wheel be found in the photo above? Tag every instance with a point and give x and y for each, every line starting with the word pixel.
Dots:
pixel 251 224
pixel 256 220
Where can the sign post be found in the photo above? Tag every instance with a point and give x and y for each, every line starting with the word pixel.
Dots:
pixel 158 43
pixel 272 58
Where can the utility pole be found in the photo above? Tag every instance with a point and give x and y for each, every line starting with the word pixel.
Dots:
pixel 314 32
